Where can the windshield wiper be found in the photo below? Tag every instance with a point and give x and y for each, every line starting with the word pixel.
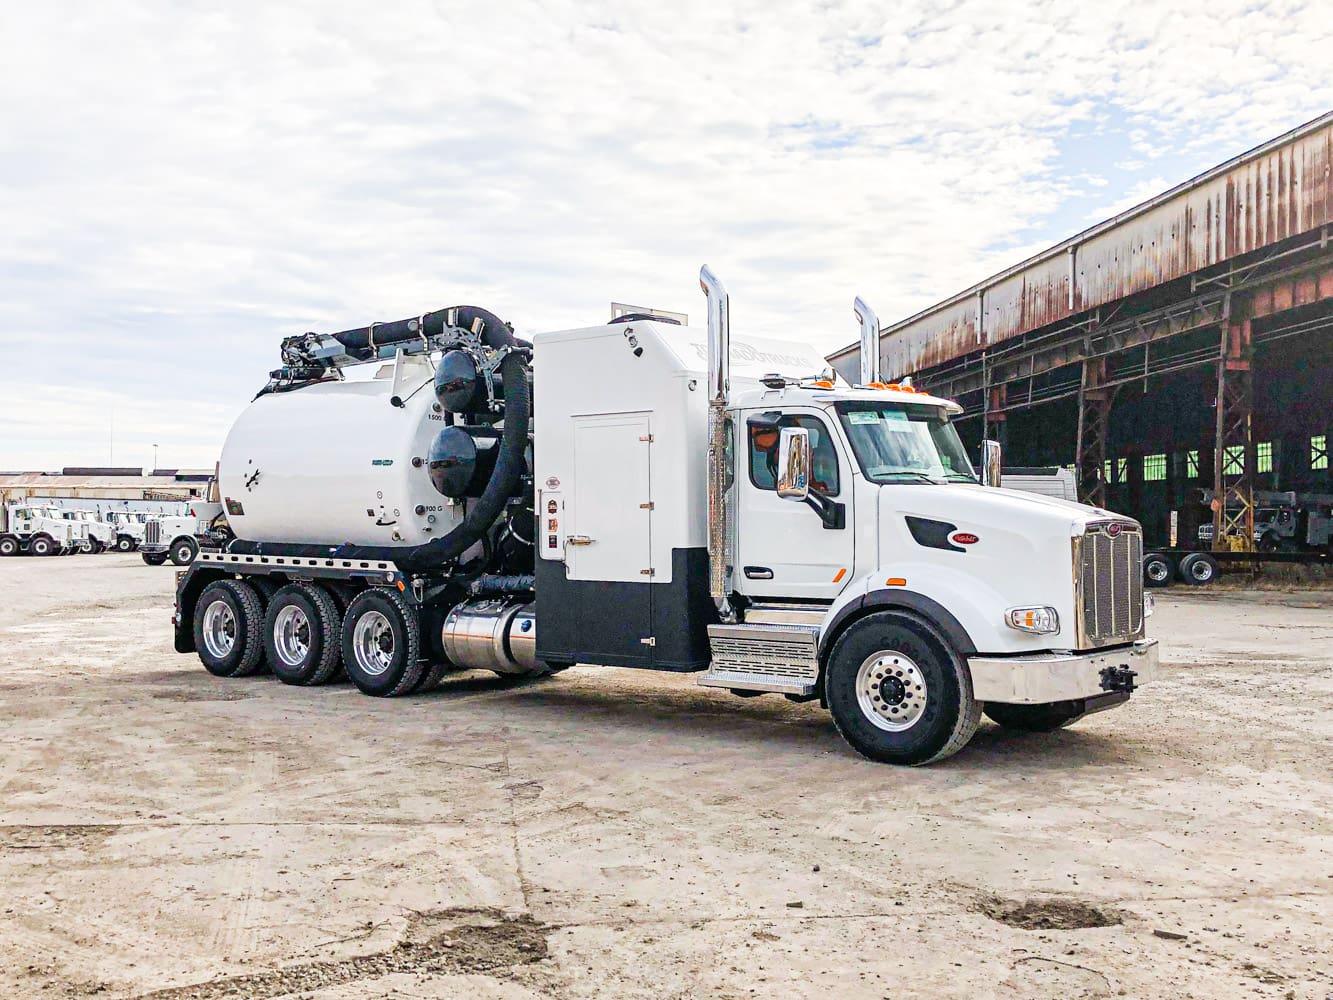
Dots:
pixel 920 477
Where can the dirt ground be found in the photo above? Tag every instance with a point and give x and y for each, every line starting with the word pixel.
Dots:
pixel 615 833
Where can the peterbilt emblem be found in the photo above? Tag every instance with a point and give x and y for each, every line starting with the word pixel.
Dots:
pixel 1113 530
pixel 552 483
pixel 964 538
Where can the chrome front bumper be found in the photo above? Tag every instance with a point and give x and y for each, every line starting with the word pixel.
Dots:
pixel 1047 677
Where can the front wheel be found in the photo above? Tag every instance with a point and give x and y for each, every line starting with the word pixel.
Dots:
pixel 154 558
pixel 183 551
pixel 42 546
pixel 124 543
pixel 1036 718
pixel 898 693
pixel 381 643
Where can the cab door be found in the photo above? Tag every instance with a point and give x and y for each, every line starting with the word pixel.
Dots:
pixel 783 547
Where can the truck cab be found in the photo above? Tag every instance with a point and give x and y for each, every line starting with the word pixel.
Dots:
pixel 38 531
pixel 128 528
pixel 859 558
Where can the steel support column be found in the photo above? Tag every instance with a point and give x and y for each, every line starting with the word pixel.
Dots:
pixel 995 416
pixel 1094 418
pixel 1233 469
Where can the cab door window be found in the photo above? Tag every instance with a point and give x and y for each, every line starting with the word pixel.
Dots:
pixel 823 456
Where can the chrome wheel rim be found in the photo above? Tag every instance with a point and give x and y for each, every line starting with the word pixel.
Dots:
pixel 891 691
pixel 219 629
pixel 291 636
pixel 1157 570
pixel 372 642
pixel 1201 570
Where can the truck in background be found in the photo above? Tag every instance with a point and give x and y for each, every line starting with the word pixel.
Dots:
pixel 659 499
pixel 35 530
pixel 97 534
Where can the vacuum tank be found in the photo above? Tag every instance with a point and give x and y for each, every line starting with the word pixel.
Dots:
pixel 337 462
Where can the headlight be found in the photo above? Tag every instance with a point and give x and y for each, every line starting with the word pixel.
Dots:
pixel 1042 621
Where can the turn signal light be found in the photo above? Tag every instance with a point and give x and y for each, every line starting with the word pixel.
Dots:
pixel 1042 621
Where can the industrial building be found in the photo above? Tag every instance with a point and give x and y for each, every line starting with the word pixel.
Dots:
pixel 1179 351
pixel 111 488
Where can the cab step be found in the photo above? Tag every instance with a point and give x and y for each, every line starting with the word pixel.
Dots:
pixel 779 658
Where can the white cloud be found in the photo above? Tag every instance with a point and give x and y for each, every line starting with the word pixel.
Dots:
pixel 182 185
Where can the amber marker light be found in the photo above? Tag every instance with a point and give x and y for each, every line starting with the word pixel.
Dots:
pixel 841 573
pixel 896 581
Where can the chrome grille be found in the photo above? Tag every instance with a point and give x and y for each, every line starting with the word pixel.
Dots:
pixel 1111 584
pixel 152 532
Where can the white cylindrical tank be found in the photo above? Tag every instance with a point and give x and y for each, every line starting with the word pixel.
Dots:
pixel 332 463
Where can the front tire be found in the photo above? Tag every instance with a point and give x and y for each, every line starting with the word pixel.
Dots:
pixel 124 544
pixel 301 635
pixel 42 546
pixel 381 643
pixel 1035 718
pixel 899 694
pixel 227 624
pixel 183 551
pixel 154 558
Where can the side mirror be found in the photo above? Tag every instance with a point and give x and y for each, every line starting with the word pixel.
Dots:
pixel 990 463
pixel 794 464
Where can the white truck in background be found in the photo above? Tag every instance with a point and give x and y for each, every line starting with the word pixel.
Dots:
pixel 38 531
pixel 128 526
pixel 96 534
pixel 180 539
pixel 643 494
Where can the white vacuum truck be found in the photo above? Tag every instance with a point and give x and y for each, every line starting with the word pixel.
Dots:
pixel 694 505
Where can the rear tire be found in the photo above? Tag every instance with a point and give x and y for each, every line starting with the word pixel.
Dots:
pixel 1198 569
pixel 183 551
pixel 1158 570
pixel 1035 718
pixel 898 693
pixel 302 635
pixel 227 624
pixel 381 644
pixel 9 546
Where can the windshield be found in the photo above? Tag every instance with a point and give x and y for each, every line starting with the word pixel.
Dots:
pixel 905 442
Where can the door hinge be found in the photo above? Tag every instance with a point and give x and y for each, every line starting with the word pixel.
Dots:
pixel 647 438
pixel 646 506
pixel 647 572
pixel 650 641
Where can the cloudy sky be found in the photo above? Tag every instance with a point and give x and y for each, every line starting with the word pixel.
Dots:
pixel 183 183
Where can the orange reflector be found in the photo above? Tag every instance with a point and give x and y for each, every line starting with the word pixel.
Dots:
pixel 401 587
pixel 822 383
pixel 841 573
pixel 896 581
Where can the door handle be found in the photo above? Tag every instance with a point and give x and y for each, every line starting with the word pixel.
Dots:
pixel 580 540
pixel 758 573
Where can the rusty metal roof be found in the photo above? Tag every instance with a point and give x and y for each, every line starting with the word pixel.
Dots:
pixel 1280 189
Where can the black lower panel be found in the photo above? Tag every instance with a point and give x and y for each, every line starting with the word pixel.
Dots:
pixel 590 621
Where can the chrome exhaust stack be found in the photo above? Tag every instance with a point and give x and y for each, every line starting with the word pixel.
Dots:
pixel 719 386
pixel 869 341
